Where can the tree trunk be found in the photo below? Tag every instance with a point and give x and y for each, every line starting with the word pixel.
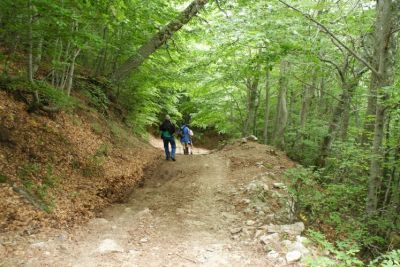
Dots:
pixel 252 94
pixel 38 57
pixel 71 71
pixel 333 126
pixel 281 112
pixel 159 39
pixel 30 40
pixel 384 55
pixel 266 113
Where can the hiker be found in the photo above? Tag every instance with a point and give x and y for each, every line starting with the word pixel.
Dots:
pixel 186 139
pixel 167 129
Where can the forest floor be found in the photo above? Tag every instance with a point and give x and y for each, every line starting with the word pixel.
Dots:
pixel 202 210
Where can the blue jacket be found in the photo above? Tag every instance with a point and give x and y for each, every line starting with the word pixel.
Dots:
pixel 185 134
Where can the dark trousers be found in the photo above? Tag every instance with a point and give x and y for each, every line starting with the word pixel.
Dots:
pixel 167 141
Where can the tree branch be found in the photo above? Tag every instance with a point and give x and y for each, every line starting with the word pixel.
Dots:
pixel 358 57
pixel 341 74
pixel 220 8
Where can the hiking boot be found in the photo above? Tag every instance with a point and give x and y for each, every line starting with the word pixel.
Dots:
pixel 173 159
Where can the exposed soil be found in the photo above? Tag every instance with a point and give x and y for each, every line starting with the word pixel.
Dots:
pixel 183 215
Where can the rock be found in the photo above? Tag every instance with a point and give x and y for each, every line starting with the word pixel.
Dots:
pixel 2 251
pixel 291 229
pixel 144 213
pixel 287 244
pixel 293 256
pixel 250 222
pixel 279 185
pixel 144 240
pixel 109 245
pixel 298 246
pixel 98 221
pixel 261 213
pixel 243 140
pixel 258 233
pixel 265 239
pixel 272 254
pixel 257 187
pixel 235 231
pixel 252 138
pixel 270 217
pixel 302 239
pixel 39 245
pixel 246 201
pixel 229 216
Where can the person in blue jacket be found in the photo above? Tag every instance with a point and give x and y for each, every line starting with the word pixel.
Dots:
pixel 167 129
pixel 185 139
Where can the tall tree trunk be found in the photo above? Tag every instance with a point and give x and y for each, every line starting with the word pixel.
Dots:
pixel 333 126
pixel 159 39
pixel 71 71
pixel 252 95
pixel 349 93
pixel 30 42
pixel 281 111
pixel 368 130
pixel 266 112
pixel 384 55
pixel 38 57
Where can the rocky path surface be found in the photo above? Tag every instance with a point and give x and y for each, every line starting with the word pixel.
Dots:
pixel 180 217
pixel 228 208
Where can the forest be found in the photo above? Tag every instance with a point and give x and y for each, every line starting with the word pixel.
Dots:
pixel 318 79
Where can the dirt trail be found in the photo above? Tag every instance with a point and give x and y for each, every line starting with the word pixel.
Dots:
pixel 179 217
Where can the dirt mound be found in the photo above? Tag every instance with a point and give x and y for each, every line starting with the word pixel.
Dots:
pixel 66 167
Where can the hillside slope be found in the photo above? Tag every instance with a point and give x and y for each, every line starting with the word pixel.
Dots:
pixel 59 170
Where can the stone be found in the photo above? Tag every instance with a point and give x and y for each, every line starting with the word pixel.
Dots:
pixel 252 138
pixel 291 229
pixel 272 254
pixel 235 231
pixel 246 201
pixel 250 222
pixel 109 245
pixel 2 250
pixel 144 240
pixel 279 185
pixel 302 239
pixel 243 140
pixel 287 244
pixel 265 239
pixel 293 256
pixel 298 246
pixel 144 213
pixel 39 245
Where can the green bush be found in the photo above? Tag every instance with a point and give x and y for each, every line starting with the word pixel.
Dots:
pixel 97 98
pixel 343 252
pixel 37 182
pixel 389 259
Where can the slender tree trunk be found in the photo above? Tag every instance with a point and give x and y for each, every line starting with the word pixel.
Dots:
pixel 252 94
pixel 71 71
pixel 38 57
pixel 349 93
pixel 384 55
pixel 282 114
pixel 159 39
pixel 266 112
pixel 333 126
pixel 368 130
pixel 30 40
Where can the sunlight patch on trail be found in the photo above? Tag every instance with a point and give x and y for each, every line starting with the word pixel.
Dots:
pixel 158 143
